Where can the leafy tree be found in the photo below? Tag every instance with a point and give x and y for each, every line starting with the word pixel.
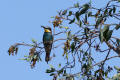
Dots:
pixel 89 31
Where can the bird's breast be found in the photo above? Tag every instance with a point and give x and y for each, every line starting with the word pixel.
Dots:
pixel 47 36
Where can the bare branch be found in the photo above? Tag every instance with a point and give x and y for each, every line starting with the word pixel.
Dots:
pixel 105 60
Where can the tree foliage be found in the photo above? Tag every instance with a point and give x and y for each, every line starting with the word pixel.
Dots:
pixel 93 34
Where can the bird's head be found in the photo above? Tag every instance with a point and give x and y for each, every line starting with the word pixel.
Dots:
pixel 47 29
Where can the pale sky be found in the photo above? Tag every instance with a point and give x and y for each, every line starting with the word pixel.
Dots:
pixel 20 21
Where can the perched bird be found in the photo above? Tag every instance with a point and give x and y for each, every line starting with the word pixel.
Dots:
pixel 47 41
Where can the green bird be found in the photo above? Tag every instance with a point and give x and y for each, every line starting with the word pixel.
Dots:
pixel 47 41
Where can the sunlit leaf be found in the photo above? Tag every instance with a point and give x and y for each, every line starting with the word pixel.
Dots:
pixel 117 68
pixel 66 27
pixel 23 59
pixel 28 59
pixel 76 5
pixel 59 65
pixel 51 66
pixel 33 40
pixel 25 55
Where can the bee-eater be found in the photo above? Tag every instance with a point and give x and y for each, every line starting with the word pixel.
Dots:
pixel 47 41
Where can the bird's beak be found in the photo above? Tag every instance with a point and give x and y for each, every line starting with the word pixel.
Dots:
pixel 43 27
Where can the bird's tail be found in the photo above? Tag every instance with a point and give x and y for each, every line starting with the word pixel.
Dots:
pixel 47 58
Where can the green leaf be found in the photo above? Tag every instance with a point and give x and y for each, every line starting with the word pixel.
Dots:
pixel 117 27
pixel 117 68
pixel 66 55
pixel 106 74
pixel 114 9
pixel 25 55
pixel 110 12
pixel 48 71
pixel 34 41
pixel 86 30
pixel 84 66
pixel 23 59
pixel 72 21
pixel 109 34
pixel 64 71
pixel 105 34
pixel 70 13
pixel 35 56
pixel 28 59
pixel 52 74
pixel 85 18
pixel 69 78
pixel 77 15
pixel 99 20
pixel 59 65
pixel 72 47
pixel 86 53
pixel 51 66
pixel 76 5
pixel 69 35
pixel 66 27
pixel 52 17
pixel 116 77
pixel 106 11
pixel 105 30
pixel 52 69
pixel 80 23
pixel 89 62
pixel 89 14
pixel 64 12
pixel 84 10
pixel 118 42
pixel 83 59
pixel 97 71
pixel 60 71
pixel 101 37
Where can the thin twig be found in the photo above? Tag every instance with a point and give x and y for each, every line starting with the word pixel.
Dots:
pixel 105 60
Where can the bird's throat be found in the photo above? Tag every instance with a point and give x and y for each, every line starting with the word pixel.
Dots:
pixel 47 30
